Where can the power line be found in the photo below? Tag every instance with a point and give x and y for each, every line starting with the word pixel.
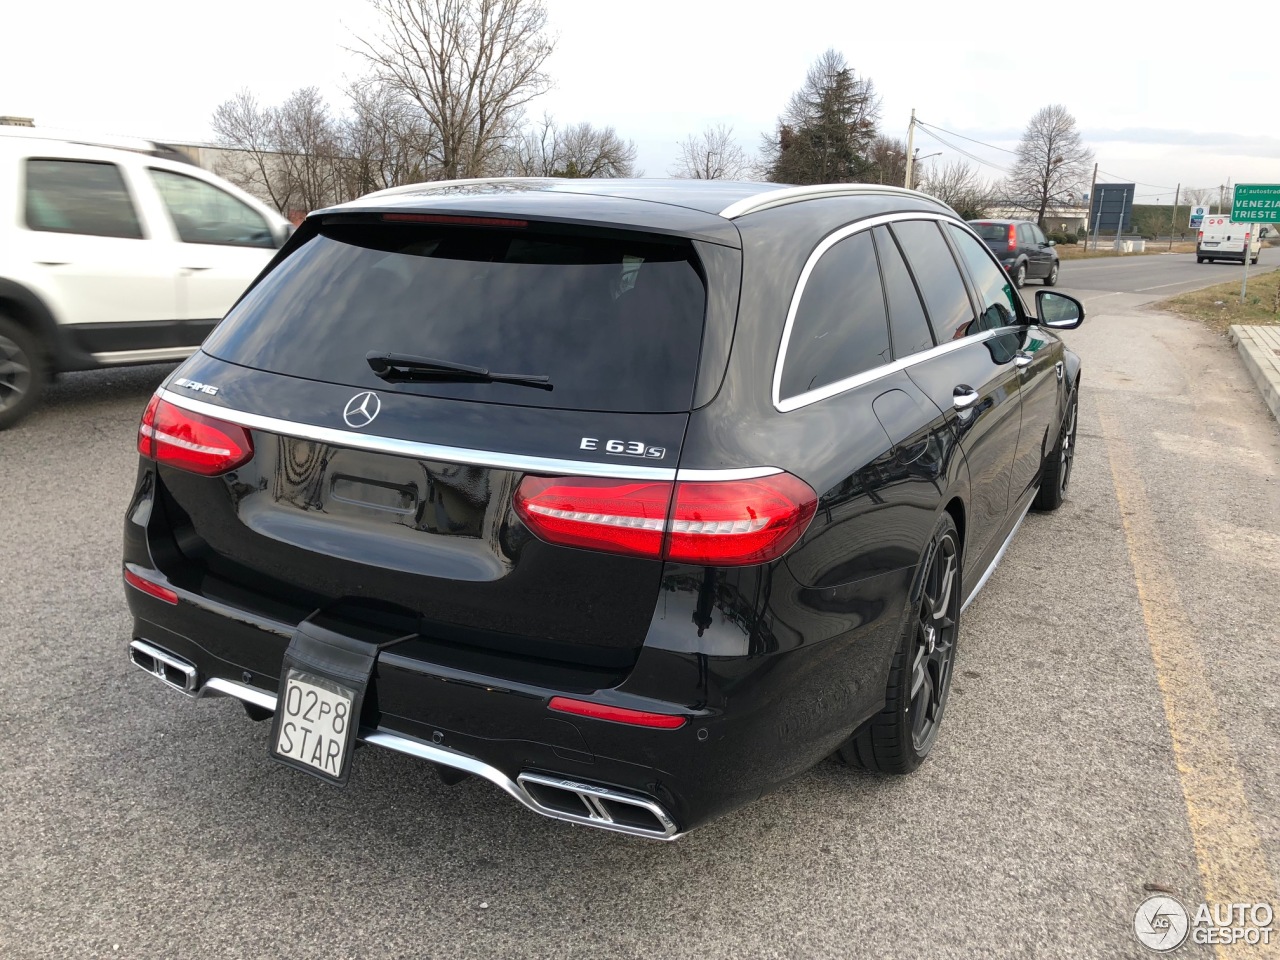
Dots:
pixel 950 133
pixel 1157 186
pixel 960 150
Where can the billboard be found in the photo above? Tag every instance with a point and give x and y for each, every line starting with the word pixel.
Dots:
pixel 1198 214
pixel 1111 209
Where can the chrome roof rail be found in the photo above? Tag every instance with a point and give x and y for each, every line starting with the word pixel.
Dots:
pixel 768 199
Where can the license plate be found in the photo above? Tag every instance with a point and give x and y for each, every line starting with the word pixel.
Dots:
pixel 1210 243
pixel 315 729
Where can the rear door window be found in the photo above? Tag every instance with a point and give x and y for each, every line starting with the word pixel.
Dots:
pixel 616 323
pixel 79 196
pixel 840 327
pixel 907 320
pixel 935 270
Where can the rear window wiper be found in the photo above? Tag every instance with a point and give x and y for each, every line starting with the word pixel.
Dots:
pixel 404 368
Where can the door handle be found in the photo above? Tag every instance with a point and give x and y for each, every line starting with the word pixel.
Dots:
pixel 1023 360
pixel 963 397
pixel 197 269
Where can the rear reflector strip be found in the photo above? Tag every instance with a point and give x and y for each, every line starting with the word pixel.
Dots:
pixel 602 711
pixel 149 588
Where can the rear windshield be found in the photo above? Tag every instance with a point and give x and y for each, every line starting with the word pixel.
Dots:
pixel 991 231
pixel 615 323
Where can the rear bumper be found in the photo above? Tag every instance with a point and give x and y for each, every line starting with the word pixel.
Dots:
pixel 752 721
pixel 1213 253
pixel 551 796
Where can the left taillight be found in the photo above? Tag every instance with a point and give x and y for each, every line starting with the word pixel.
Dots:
pixel 192 441
pixel 711 523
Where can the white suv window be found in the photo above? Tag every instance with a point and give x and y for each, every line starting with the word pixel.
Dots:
pixel 202 213
pixel 79 196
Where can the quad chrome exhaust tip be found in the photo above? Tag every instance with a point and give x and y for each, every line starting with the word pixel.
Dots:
pixel 164 666
pixel 591 805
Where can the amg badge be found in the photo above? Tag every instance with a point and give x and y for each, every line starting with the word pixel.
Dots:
pixel 194 385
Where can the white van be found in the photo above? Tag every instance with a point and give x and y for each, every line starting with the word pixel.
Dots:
pixel 1221 238
pixel 114 253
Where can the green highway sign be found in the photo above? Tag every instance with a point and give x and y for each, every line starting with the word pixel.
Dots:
pixel 1256 203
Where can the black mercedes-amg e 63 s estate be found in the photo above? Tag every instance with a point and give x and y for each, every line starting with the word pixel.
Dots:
pixel 634 498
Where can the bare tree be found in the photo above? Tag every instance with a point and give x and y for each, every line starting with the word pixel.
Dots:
pixel 247 127
pixel 958 185
pixel 887 160
pixel 471 66
pixel 306 137
pixel 824 134
pixel 1052 161
pixel 386 141
pixel 580 150
pixel 1199 196
pixel 713 155
pixel 587 151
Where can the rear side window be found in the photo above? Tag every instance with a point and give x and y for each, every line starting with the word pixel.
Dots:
pixel 907 320
pixel 840 327
pixel 995 289
pixel 1025 238
pixel 939 278
pixel 79 196
pixel 615 323
pixel 202 213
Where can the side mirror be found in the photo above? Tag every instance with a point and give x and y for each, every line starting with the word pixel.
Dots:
pixel 283 234
pixel 1058 311
pixel 1053 243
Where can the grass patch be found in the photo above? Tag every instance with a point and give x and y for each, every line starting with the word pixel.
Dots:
pixel 1081 251
pixel 1218 307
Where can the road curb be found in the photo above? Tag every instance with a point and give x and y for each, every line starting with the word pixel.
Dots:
pixel 1259 348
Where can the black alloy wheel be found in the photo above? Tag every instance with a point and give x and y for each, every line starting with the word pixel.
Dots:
pixel 900 736
pixel 935 646
pixel 1056 475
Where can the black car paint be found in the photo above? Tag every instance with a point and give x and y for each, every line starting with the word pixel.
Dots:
pixel 775 664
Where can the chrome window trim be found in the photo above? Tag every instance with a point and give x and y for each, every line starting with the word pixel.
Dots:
pixel 418 450
pixel 767 199
pixel 875 373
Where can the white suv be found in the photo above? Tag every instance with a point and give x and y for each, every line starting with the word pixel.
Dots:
pixel 114 254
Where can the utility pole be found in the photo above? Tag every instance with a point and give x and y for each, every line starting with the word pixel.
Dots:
pixel 1173 220
pixel 1092 187
pixel 911 139
pixel 1097 225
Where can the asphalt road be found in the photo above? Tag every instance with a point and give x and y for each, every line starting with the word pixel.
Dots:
pixel 1143 279
pixel 1114 723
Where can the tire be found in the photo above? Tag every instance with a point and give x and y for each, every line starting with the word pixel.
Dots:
pixel 1254 261
pixel 23 372
pixel 899 737
pixel 1052 278
pixel 1055 475
pixel 1199 259
pixel 1020 275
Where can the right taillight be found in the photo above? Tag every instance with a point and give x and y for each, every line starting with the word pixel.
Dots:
pixel 707 522
pixel 1013 237
pixel 192 441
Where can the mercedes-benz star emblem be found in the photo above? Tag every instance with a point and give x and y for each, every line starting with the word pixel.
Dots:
pixel 361 409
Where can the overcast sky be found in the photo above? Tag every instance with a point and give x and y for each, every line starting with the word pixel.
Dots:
pixel 658 70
